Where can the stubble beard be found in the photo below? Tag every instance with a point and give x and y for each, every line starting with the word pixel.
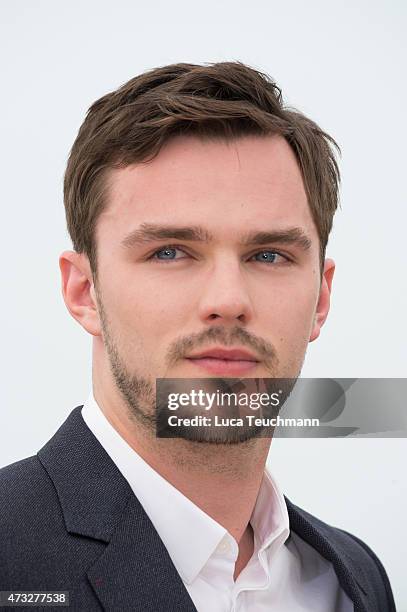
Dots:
pixel 139 395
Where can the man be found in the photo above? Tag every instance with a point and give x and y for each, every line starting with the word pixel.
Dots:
pixel 199 209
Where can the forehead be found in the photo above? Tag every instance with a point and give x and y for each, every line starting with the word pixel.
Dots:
pixel 225 186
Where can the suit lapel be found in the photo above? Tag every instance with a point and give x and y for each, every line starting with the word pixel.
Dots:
pixel 351 575
pixel 135 571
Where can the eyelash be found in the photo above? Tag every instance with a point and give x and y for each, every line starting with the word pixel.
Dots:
pixel 174 246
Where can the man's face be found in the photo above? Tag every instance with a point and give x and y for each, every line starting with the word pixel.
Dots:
pixel 163 299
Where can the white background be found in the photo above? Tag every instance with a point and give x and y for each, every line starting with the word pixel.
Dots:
pixel 344 65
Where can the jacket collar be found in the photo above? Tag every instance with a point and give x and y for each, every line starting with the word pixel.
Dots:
pixel 334 546
pixel 97 502
pixel 135 569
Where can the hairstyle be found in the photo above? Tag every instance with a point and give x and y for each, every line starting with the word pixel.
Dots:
pixel 219 100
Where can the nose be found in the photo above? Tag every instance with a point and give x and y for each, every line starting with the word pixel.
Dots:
pixel 225 296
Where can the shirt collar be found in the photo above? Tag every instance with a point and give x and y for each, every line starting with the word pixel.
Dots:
pixel 270 520
pixel 189 534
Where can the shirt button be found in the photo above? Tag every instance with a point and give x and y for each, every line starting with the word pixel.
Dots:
pixel 224 547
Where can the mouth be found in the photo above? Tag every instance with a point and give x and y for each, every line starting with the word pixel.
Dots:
pixel 233 362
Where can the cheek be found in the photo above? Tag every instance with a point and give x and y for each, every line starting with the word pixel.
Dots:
pixel 289 314
pixel 145 313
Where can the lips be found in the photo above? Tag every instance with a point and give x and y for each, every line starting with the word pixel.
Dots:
pixel 225 354
pixel 224 362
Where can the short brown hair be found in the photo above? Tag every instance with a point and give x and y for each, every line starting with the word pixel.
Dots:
pixel 224 99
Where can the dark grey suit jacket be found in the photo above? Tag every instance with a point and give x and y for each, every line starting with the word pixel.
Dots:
pixel 69 521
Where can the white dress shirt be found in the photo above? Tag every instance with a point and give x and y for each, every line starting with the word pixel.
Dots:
pixel 285 574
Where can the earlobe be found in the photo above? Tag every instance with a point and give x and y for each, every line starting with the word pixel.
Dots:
pixel 77 291
pixel 322 308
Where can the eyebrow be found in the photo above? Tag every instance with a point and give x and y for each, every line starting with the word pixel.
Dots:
pixel 151 232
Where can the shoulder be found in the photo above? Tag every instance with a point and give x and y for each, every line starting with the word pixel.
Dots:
pixel 345 548
pixel 22 480
pixel 35 546
pixel 26 495
pixel 342 540
pixel 371 562
pixel 28 500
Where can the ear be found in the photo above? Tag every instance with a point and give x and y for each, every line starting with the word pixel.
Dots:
pixel 78 290
pixel 323 304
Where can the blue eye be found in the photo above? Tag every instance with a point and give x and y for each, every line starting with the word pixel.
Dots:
pixel 167 251
pixel 267 256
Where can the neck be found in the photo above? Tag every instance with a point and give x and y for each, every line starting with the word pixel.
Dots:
pixel 221 479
